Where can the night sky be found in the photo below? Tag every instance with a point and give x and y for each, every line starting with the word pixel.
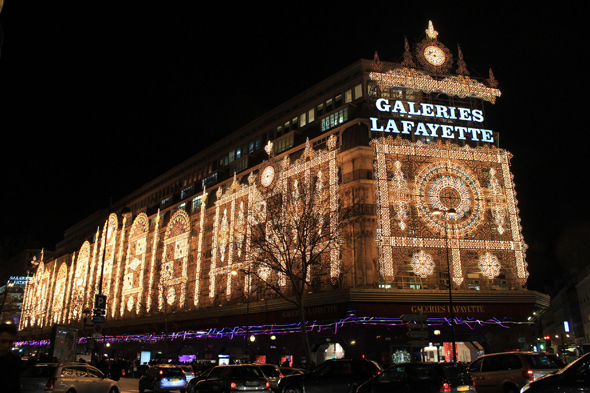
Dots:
pixel 99 98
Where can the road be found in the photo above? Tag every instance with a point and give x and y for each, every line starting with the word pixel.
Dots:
pixel 128 385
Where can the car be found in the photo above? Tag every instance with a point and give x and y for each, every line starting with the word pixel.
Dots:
pixel 291 371
pixel 272 373
pixel 575 377
pixel 66 377
pixel 163 377
pixel 420 378
pixel 141 370
pixel 188 372
pixel 508 372
pixel 232 378
pixel 332 376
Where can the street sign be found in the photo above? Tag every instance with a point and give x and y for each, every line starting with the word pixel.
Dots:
pixel 98 319
pixel 100 301
pixel 99 312
pixel 418 333
pixel 98 328
pixel 414 317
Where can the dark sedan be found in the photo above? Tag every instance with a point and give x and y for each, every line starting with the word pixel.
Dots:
pixel 420 378
pixel 234 378
pixel 575 377
pixel 332 376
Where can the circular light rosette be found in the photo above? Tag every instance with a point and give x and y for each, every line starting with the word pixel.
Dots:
pixel 443 186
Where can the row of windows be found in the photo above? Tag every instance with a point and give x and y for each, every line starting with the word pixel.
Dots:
pixel 239 154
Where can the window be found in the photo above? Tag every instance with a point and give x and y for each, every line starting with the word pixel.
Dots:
pixel 338 101
pixel 232 156
pixel 257 142
pixel 310 116
pixel 320 109
pixel 251 146
pixel 334 119
pixel 358 91
pixel 187 192
pixel 294 123
pixel 347 96
pixel 279 131
pixel 238 153
pixel 303 119
pixel 329 105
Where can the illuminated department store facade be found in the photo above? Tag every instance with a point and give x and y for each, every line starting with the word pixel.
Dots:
pixel 439 207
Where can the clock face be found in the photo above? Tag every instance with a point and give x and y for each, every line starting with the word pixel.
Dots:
pixel 434 55
pixel 267 176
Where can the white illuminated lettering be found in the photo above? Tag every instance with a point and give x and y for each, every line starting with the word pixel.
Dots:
pixel 382 104
pixel 441 111
pixel 477 115
pixel 462 131
pixel 447 132
pixel 474 132
pixel 452 114
pixel 374 124
pixel 464 114
pixel 421 130
pixel 487 136
pixel 398 107
pixel 427 109
pixel 430 129
pixel 433 128
pixel 412 111
pixel 407 126
pixel 391 126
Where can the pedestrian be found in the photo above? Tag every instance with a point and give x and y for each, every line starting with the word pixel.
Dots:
pixel 10 363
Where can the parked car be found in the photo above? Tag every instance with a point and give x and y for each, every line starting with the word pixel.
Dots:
pixel 575 377
pixel 508 372
pixel 272 373
pixel 291 371
pixel 420 378
pixel 163 377
pixel 66 377
pixel 231 378
pixel 332 376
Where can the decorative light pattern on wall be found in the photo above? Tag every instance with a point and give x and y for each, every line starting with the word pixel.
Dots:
pixel 131 295
pixel 422 264
pixel 173 272
pixel 442 181
pixel 489 265
pixel 461 86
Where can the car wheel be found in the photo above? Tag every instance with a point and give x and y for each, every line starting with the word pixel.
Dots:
pixel 291 389
pixel 141 389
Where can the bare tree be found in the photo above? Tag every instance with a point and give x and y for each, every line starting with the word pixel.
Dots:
pixel 294 237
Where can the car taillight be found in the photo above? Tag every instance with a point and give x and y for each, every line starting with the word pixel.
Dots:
pixel 528 375
pixel 281 376
pixel 161 372
pixel 50 383
pixel 267 384
pixel 233 385
pixel 445 387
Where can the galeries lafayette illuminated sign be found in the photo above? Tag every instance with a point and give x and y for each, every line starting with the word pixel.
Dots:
pixel 433 130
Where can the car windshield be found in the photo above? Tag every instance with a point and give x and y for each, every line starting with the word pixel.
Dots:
pixel 246 372
pixel 39 372
pixel 172 371
pixel 546 361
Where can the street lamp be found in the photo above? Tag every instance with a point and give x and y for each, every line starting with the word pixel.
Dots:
pixel 448 215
